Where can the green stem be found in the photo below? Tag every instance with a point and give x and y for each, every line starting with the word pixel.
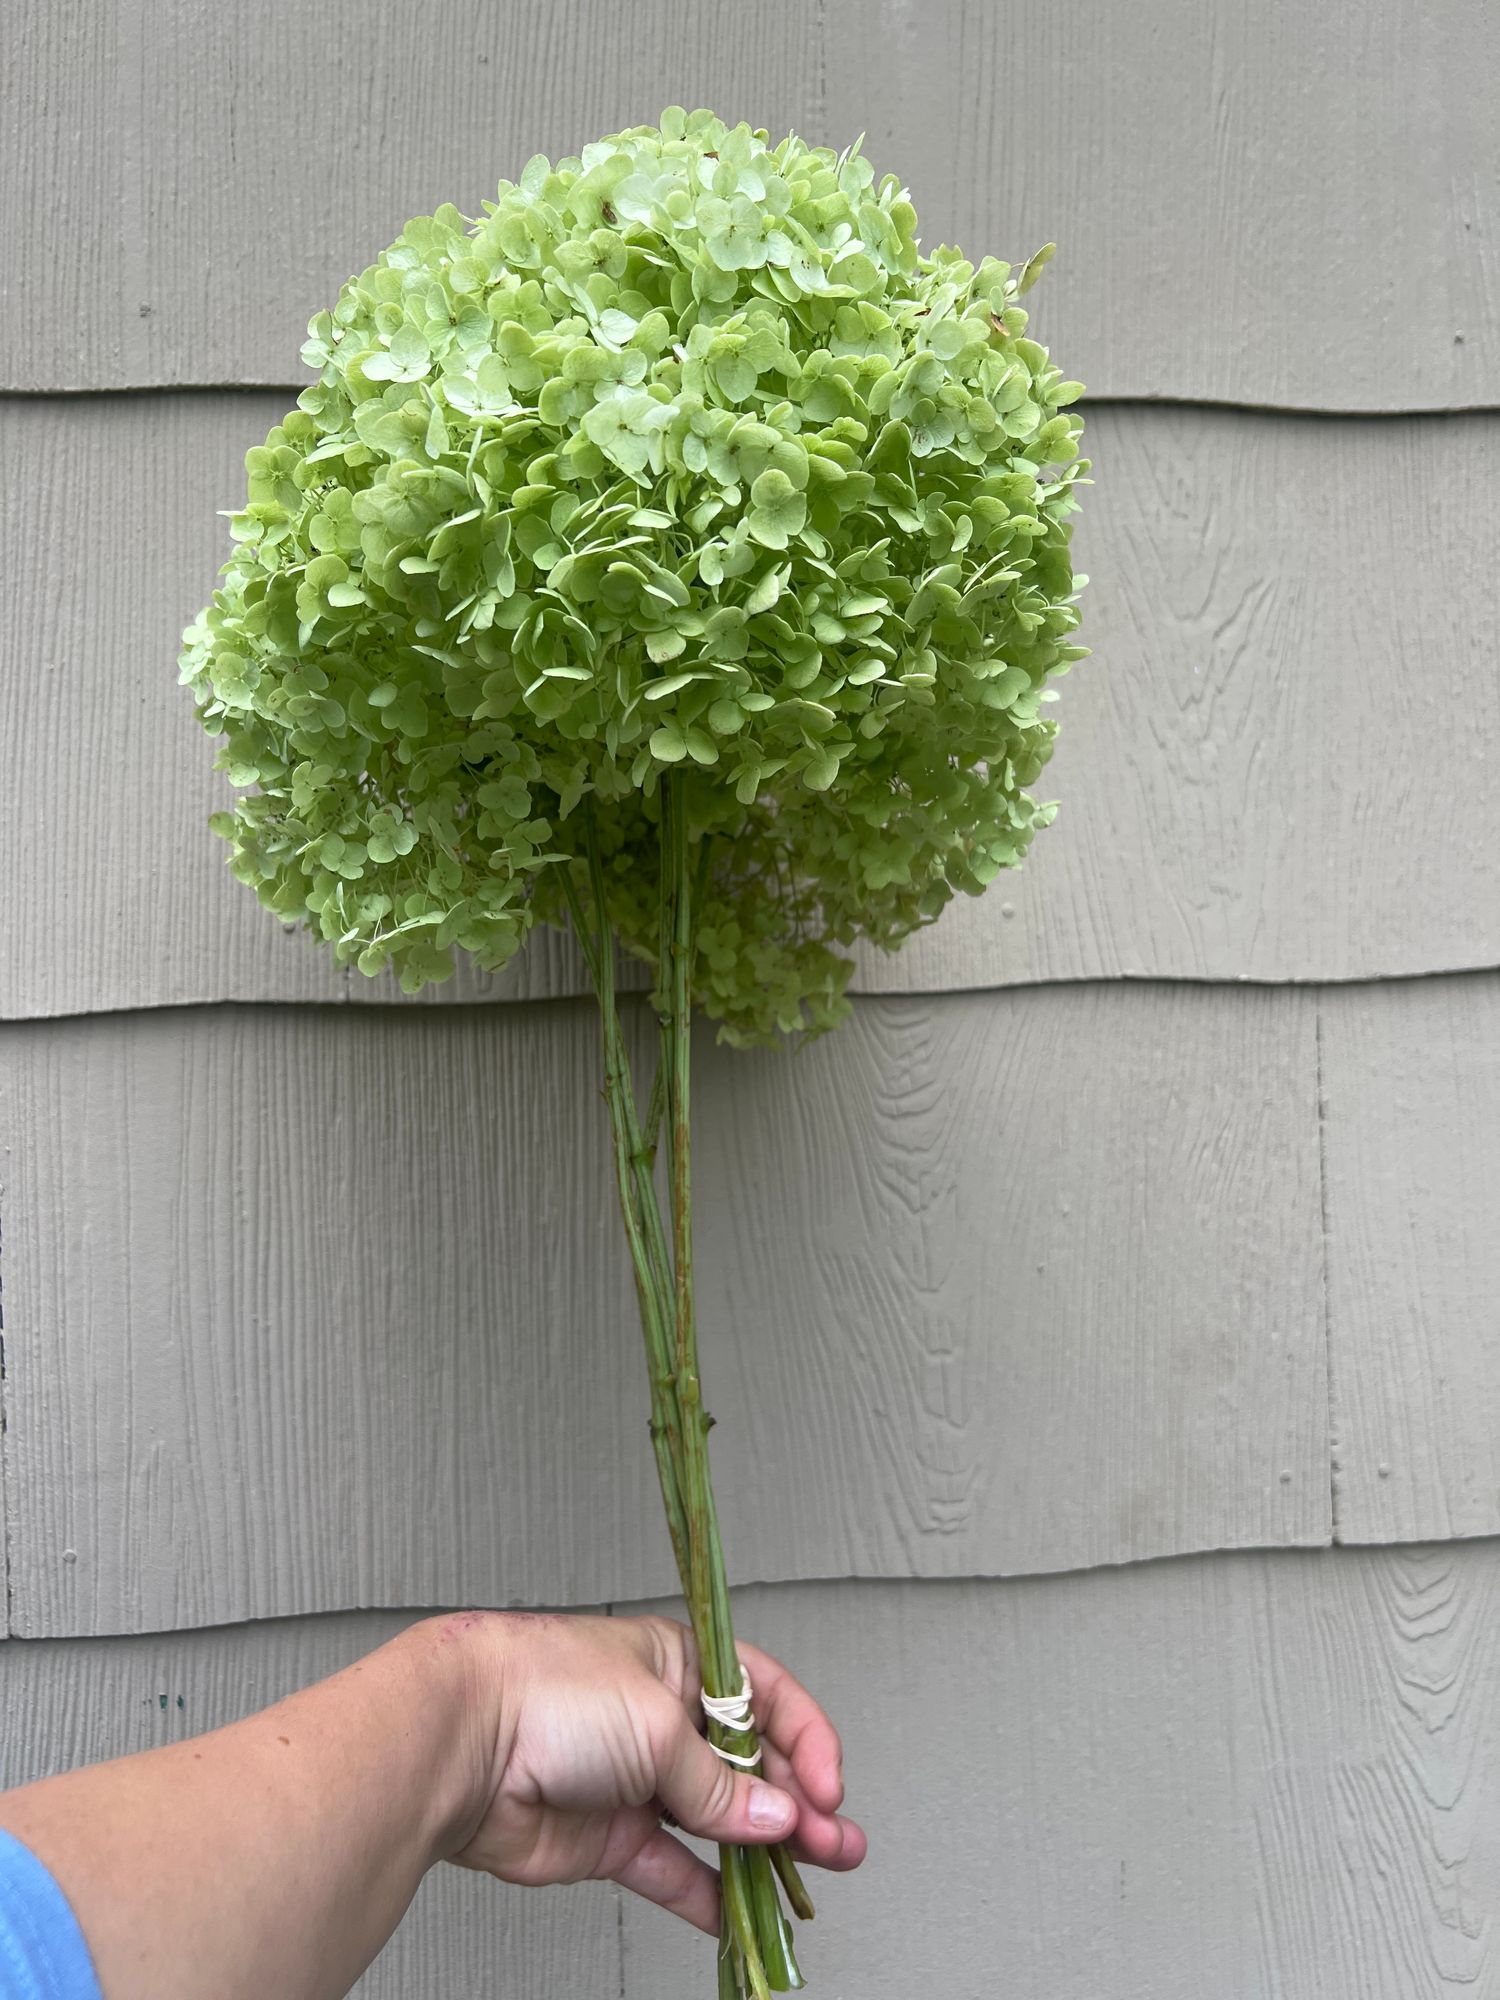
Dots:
pixel 658 1104
pixel 720 1673
pixel 755 1953
pixel 654 1110
pixel 781 1855
pixel 717 1672
pixel 641 1147
pixel 731 1961
pixel 746 1873
pixel 665 1440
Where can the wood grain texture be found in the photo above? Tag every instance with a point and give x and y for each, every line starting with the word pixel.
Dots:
pixel 1238 191
pixel 1272 204
pixel 325 1307
pixel 4 1525
pixel 1243 791
pixel 465 1937
pixel 218 176
pixel 326 1333
pixel 1265 1777
pixel 1411 1086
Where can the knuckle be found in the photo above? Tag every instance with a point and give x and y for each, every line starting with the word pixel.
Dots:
pixel 661 1719
pixel 656 1644
pixel 712 1787
pixel 724 1788
pixel 637 1766
pixel 673 1653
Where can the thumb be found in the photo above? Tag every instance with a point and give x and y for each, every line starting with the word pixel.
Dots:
pixel 714 1799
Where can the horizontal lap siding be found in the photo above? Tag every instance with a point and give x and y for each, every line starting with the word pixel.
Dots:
pixel 1261 1777
pixel 1246 1775
pixel 314 1307
pixel 311 1308
pixel 1273 204
pixel 1411 1092
pixel 1283 741
pixel 307 1308
pixel 6 1154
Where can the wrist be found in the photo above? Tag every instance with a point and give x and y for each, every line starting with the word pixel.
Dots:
pixel 460 1662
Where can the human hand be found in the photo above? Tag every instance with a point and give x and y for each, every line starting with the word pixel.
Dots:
pixel 598 1729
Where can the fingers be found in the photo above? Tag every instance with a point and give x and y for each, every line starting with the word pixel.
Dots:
pixel 787 1714
pixel 665 1872
pixel 827 1840
pixel 790 1719
pixel 802 1755
pixel 714 1799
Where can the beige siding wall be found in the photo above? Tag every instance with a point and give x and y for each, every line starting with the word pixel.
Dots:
pixel 1258 1775
pixel 1144 1210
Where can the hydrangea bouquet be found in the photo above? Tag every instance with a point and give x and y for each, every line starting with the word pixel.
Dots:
pixel 678 554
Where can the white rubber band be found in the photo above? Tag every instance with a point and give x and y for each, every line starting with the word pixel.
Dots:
pixel 732 1712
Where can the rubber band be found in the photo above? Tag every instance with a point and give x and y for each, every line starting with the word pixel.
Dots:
pixel 732 1712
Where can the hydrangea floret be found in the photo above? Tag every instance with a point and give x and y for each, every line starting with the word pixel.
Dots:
pixel 677 553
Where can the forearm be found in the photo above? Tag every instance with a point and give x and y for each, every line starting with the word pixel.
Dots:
pixel 276 1855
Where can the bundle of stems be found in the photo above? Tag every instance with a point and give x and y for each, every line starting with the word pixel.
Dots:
pixel 755 1944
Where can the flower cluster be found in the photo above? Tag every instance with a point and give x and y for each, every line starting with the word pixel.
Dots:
pixel 682 455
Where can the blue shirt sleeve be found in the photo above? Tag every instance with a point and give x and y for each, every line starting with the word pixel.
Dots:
pixel 42 1952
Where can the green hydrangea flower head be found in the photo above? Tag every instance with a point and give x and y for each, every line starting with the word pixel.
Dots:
pixel 682 455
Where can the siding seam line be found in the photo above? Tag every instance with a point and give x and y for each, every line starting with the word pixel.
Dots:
pixel 1236 981
pixel 620 1934
pixel 7 1622
pixel 821 34
pixel 1118 400
pixel 609 1612
pixel 1330 1413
